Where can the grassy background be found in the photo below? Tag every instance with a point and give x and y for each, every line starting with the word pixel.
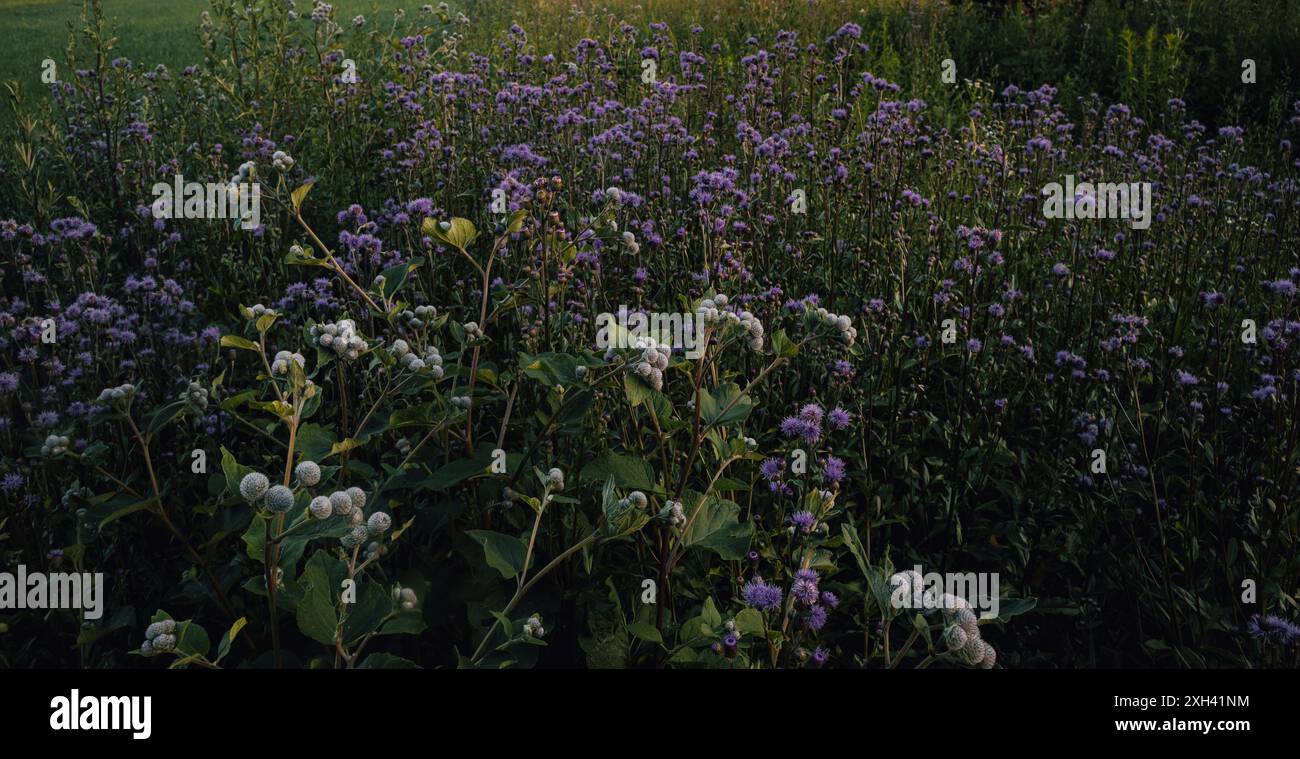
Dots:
pixel 1137 53
pixel 149 32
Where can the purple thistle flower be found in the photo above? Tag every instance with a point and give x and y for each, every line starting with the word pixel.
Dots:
pixel 1273 629
pixel 11 482
pixel 760 595
pixel 793 426
pixel 804 591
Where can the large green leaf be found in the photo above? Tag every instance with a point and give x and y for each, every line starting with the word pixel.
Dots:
pixel 458 233
pixel 714 524
pixel 374 603
pixel 233 470
pixel 621 517
pixel 628 472
pixel 317 617
pixel 504 553
pixel 725 407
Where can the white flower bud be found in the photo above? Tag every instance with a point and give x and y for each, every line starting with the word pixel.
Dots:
pixel 159 628
pixel 379 523
pixel 358 497
pixel 321 508
pixel 341 502
pixel 307 472
pixel 968 622
pixel 253 486
pixel 279 499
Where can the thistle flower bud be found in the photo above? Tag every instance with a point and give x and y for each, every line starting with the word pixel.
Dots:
pixel 54 445
pixel 973 652
pixel 341 502
pixel 357 536
pixel 166 626
pixel 358 497
pixel 320 507
pixel 280 365
pixel 907 584
pixel 968 622
pixel 307 472
pixel 253 486
pixel 279 499
pixel 197 395
pixel 379 523
pixel 990 656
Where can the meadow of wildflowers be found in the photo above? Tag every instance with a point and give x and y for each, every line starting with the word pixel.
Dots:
pixel 380 422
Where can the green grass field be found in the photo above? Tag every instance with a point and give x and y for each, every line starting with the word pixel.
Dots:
pixel 148 32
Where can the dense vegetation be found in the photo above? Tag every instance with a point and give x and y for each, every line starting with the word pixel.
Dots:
pixel 378 429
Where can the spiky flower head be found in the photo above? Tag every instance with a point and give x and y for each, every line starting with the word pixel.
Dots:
pixel 760 595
